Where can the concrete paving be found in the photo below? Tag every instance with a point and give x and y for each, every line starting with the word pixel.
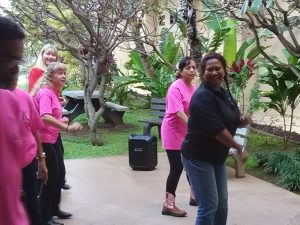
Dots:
pixel 106 191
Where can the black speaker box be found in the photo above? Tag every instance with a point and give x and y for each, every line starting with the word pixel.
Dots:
pixel 142 152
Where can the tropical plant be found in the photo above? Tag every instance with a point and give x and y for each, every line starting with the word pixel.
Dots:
pixel 163 75
pixel 281 19
pixel 289 176
pixel 254 100
pixel 285 166
pixel 275 161
pixel 285 90
pixel 241 68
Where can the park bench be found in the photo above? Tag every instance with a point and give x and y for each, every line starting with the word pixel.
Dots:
pixel 157 112
pixel 113 113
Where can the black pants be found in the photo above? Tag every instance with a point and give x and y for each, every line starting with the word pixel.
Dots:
pixel 51 191
pixel 176 168
pixel 31 193
pixel 59 141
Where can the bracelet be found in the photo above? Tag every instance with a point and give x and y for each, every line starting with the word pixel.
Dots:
pixel 43 155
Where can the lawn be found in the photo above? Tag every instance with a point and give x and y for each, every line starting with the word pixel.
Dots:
pixel 115 139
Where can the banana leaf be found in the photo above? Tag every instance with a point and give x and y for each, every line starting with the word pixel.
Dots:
pixel 241 52
pixel 254 52
pixel 230 42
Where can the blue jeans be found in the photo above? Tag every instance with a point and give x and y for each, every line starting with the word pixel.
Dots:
pixel 209 183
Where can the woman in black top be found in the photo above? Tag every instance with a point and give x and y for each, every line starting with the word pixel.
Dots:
pixel 214 118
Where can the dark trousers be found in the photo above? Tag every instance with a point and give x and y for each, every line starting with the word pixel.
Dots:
pixel 31 193
pixel 51 191
pixel 176 168
pixel 59 141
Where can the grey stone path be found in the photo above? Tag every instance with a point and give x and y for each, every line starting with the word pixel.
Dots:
pixel 107 192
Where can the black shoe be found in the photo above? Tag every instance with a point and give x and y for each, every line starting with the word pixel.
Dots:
pixel 62 215
pixel 66 187
pixel 52 222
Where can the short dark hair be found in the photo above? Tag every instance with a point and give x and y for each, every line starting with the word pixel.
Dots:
pixel 9 30
pixel 183 62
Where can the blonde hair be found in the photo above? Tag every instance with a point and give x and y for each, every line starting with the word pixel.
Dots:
pixel 44 80
pixel 40 62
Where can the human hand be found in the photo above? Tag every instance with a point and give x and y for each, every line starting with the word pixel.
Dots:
pixel 42 170
pixel 245 120
pixel 243 155
pixel 74 127
pixel 65 120
pixel 62 101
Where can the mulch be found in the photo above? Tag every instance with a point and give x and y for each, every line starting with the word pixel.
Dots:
pixel 277 131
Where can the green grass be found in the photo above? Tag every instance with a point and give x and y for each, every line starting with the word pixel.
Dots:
pixel 115 140
pixel 263 143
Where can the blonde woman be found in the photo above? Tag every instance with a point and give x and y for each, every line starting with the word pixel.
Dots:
pixel 49 108
pixel 47 55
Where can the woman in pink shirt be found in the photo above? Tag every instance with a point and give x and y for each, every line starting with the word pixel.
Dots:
pixel 11 150
pixel 174 127
pixel 49 108
pixel 33 159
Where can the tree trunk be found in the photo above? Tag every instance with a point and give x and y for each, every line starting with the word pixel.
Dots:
pixel 99 77
pixel 140 48
pixel 189 15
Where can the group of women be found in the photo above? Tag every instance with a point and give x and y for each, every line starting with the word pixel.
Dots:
pixel 45 81
pixel 197 133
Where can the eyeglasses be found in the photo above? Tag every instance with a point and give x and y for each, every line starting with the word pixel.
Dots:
pixel 11 61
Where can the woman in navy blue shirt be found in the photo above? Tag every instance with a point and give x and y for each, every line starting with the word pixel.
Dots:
pixel 214 118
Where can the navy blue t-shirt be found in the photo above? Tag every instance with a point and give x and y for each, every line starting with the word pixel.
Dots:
pixel 211 111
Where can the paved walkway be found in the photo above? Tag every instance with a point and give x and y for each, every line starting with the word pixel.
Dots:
pixel 105 191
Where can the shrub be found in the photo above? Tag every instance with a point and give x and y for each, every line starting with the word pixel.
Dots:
pixel 275 162
pixel 297 155
pixel 289 176
pixel 261 158
pixel 251 162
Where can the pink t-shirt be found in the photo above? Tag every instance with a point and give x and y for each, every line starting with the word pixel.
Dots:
pixel 32 123
pixel 173 129
pixel 47 102
pixel 11 208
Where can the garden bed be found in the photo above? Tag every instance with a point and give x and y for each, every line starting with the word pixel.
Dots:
pixel 277 131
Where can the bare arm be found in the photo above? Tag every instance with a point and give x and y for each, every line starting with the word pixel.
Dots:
pixel 54 122
pixel 42 168
pixel 182 116
pixel 61 124
pixel 226 138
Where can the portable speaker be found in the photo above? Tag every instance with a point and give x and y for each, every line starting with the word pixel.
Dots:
pixel 142 152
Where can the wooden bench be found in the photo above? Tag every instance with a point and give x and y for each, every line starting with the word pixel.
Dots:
pixel 240 137
pixel 157 111
pixel 113 113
